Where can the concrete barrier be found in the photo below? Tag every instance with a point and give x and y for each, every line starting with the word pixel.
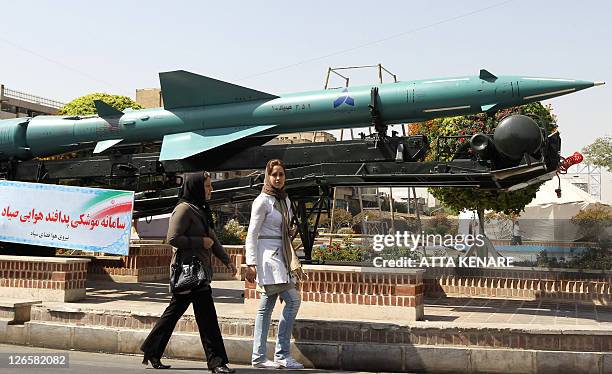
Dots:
pixel 328 355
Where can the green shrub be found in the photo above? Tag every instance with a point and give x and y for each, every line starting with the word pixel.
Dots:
pixel 232 233
pixel 394 253
pixel 340 251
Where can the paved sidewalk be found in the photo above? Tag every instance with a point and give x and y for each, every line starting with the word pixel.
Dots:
pixel 100 363
pixel 464 335
pixel 152 298
pixel 536 313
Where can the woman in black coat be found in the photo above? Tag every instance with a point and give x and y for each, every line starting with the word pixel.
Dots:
pixel 190 231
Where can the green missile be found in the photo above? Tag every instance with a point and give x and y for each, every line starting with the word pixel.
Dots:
pixel 202 113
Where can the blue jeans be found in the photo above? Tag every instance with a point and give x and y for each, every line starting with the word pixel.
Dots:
pixel 292 301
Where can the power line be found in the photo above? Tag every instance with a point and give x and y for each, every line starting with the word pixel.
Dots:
pixel 394 36
pixel 368 44
pixel 73 69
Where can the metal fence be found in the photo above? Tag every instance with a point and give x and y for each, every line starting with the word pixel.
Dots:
pixel 32 98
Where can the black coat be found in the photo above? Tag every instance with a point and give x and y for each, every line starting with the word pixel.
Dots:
pixel 186 231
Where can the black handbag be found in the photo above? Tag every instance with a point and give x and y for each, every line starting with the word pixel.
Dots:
pixel 188 275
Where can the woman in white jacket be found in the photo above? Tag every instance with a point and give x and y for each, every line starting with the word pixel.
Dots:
pixel 273 264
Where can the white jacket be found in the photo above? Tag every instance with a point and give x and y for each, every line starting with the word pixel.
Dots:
pixel 266 254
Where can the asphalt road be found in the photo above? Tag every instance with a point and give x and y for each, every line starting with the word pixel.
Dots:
pixel 101 363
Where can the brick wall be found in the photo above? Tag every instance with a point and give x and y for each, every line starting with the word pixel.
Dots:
pixel 521 283
pixel 237 255
pixel 150 261
pixel 359 286
pixel 51 279
pixel 146 261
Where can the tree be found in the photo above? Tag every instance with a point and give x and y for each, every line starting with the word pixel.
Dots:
pixel 600 152
pixel 342 218
pixel 474 198
pixel 593 222
pixel 84 105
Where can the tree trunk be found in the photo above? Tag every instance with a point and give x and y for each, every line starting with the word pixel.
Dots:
pixel 481 229
pixel 416 209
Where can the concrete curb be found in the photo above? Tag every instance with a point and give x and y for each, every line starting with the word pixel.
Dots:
pixel 331 355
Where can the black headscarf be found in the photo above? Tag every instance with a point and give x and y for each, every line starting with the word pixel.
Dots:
pixel 192 192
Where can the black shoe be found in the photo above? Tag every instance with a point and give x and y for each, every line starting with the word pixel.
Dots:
pixel 222 369
pixel 155 362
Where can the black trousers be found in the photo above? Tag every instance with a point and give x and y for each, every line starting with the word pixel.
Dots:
pixel 208 326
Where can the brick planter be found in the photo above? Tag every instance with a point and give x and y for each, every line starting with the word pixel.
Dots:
pixel 149 260
pixel 43 278
pixel 593 286
pixel 237 254
pixel 359 292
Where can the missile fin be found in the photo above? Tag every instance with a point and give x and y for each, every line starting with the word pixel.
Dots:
pixel 186 144
pixel 182 89
pixel 487 76
pixel 103 145
pixel 104 110
pixel 488 107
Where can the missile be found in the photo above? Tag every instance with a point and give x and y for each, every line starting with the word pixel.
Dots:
pixel 202 113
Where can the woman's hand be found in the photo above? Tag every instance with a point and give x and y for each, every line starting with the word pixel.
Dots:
pixel 251 273
pixel 208 242
pixel 231 267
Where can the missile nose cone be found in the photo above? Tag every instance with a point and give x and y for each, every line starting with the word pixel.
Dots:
pixel 595 84
pixel 541 88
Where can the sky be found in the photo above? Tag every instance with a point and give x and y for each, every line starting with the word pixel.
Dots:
pixel 65 49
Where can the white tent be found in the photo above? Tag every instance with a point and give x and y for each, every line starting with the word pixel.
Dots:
pixel 547 217
pixel 154 227
pixel 468 222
